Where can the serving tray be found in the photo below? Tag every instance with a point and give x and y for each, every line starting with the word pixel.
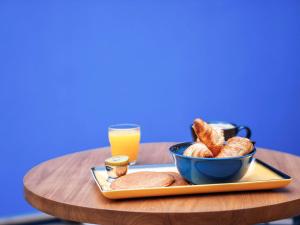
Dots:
pixel 260 176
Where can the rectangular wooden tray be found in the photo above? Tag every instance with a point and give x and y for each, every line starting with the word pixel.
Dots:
pixel 260 176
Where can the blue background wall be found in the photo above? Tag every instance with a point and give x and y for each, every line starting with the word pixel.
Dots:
pixel 68 69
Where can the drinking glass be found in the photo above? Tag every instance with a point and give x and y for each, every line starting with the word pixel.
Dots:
pixel 124 140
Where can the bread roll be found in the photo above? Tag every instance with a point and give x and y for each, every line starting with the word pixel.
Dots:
pixel 213 138
pixel 236 146
pixel 198 150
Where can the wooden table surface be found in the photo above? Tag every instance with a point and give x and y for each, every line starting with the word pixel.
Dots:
pixel 64 187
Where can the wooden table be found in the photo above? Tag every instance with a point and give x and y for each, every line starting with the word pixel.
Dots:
pixel 64 187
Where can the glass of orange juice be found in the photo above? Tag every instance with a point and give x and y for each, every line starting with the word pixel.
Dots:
pixel 125 140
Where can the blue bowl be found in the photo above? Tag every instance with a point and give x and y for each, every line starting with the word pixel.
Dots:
pixel 210 170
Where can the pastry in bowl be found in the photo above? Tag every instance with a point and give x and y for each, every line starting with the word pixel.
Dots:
pixel 213 138
pixel 236 146
pixel 211 143
pixel 198 150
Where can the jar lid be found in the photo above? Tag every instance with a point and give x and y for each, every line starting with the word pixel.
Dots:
pixel 118 160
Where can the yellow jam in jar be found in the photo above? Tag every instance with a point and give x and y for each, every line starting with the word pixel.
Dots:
pixel 116 166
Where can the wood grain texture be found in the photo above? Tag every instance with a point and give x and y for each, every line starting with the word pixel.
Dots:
pixel 64 187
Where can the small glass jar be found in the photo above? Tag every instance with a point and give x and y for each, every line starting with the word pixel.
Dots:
pixel 116 166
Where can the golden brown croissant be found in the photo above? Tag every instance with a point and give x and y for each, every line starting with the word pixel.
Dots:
pixel 236 146
pixel 198 150
pixel 211 137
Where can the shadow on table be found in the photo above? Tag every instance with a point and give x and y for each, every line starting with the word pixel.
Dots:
pixel 43 219
pixel 35 219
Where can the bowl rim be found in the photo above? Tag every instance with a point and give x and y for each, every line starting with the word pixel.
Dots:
pixel 171 149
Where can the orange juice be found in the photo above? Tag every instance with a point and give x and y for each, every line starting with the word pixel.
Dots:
pixel 125 142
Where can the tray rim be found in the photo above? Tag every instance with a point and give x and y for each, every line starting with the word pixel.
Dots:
pixel 283 175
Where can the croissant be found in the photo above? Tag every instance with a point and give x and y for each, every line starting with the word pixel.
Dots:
pixel 213 138
pixel 198 150
pixel 236 146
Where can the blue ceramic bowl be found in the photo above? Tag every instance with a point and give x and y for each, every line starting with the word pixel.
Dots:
pixel 210 170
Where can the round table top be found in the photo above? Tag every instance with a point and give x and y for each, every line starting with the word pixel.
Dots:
pixel 64 187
